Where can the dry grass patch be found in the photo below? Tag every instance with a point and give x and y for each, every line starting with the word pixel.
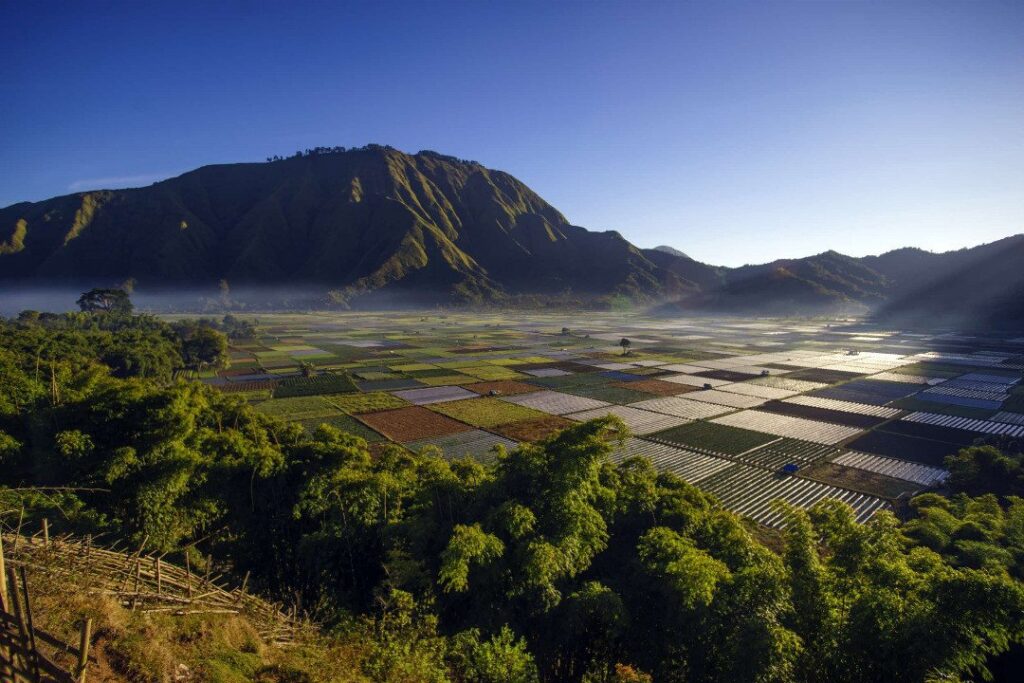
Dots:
pixel 534 430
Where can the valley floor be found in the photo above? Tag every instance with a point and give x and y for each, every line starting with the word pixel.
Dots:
pixel 749 410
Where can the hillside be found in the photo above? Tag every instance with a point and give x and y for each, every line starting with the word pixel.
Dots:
pixel 359 220
pixel 374 226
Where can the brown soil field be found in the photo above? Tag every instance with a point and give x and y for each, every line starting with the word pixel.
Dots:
pixel 412 424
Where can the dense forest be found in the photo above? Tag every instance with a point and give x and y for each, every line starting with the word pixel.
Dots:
pixel 552 564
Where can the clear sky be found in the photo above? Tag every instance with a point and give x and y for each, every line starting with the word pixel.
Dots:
pixel 735 131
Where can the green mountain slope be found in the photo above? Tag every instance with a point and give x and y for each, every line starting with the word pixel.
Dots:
pixel 358 221
pixel 375 224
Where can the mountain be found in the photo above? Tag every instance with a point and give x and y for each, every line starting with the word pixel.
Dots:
pixel 665 249
pixel 982 286
pixel 355 221
pixel 370 225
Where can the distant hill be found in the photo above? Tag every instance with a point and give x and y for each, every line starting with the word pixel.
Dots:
pixel 373 224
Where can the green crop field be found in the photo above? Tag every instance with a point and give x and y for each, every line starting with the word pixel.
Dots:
pixel 486 412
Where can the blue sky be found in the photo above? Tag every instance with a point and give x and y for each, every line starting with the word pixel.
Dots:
pixel 735 131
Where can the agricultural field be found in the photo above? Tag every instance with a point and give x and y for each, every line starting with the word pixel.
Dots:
pixel 750 410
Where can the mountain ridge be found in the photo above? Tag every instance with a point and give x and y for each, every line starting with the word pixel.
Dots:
pixel 375 221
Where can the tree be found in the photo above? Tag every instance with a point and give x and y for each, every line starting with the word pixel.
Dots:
pixel 115 301
pixel 225 293
pixel 625 344
pixel 204 346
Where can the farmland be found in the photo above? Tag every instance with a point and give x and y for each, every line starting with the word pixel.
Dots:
pixel 748 410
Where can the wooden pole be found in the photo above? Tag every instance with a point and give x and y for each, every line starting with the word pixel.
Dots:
pixel 17 532
pixel 83 650
pixel 29 622
pixel 188 572
pixel 46 533
pixel 19 617
pixel 5 601
pixel 159 579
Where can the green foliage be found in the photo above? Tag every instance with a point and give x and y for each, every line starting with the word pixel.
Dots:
pixel 115 301
pixel 986 469
pixel 549 564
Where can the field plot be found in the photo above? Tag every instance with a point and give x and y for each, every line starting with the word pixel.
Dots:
pixel 618 393
pixel 825 376
pixel 681 407
pixel 1009 418
pixel 821 414
pixel 365 403
pixel 792 427
pixel 714 438
pixel 502 388
pixel 756 390
pixel 869 391
pixel 687 465
pixel 639 421
pixel 724 398
pixel 477 444
pixel 924 451
pixel 953 422
pixel 426 396
pixel 533 430
pixel 486 412
pixel 871 483
pixel 797 386
pixel 816 393
pixel 908 378
pixel 694 380
pixel 298 408
pixel 555 403
pixel 326 383
pixel 749 491
pixel 776 454
pixel 657 387
pixel 900 469
pixel 345 423
pixel 844 406
pixel 412 424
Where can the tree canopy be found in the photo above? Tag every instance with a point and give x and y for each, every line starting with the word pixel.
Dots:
pixel 550 564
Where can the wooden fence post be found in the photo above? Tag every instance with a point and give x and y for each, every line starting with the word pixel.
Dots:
pixel 188 573
pixel 5 601
pixel 83 650
pixel 46 533
pixel 19 617
pixel 29 623
pixel 159 579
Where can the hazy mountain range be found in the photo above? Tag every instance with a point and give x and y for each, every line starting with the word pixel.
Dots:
pixel 374 221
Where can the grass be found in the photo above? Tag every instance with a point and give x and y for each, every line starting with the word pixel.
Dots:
pixel 486 412
pixel 327 383
pixel 534 430
pixel 345 423
pixel 365 403
pixel 609 393
pixel 490 372
pixel 442 380
pixel 859 480
pixel 714 437
pixel 297 408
